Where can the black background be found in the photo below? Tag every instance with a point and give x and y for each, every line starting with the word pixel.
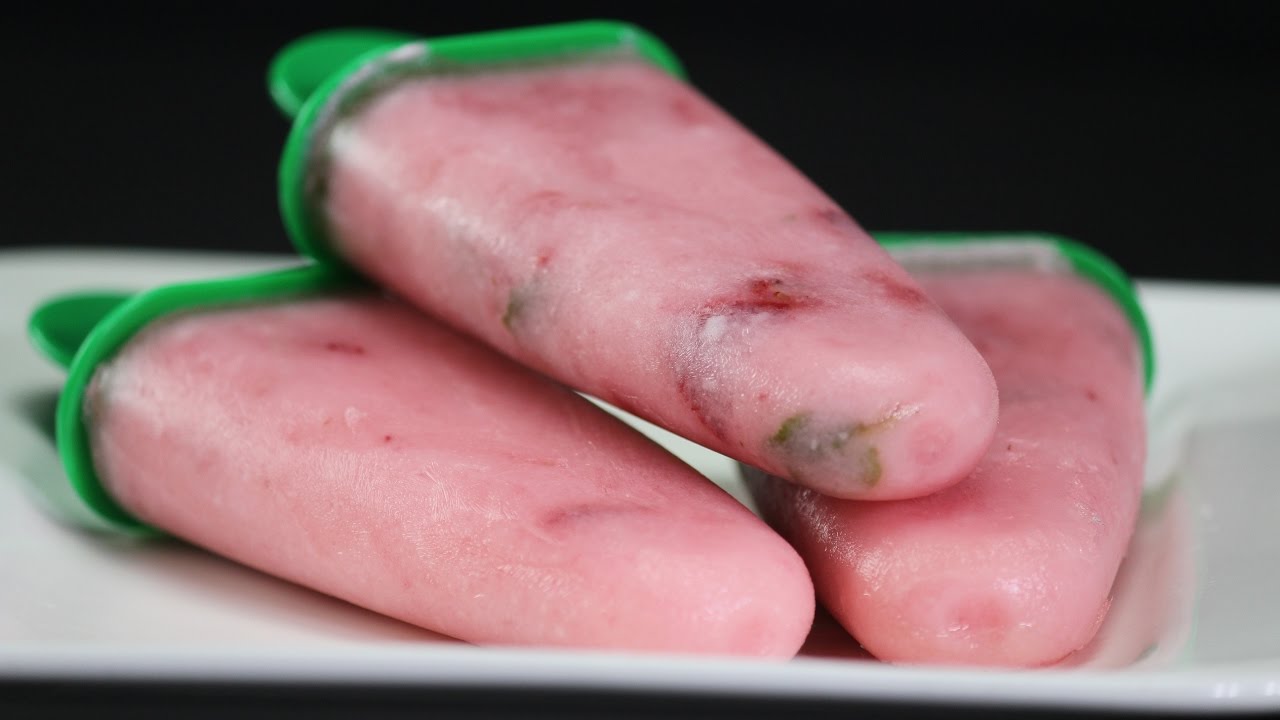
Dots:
pixel 1146 131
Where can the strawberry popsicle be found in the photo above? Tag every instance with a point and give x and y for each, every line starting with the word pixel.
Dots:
pixel 599 220
pixel 1013 565
pixel 351 445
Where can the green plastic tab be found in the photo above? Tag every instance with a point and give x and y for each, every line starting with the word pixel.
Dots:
pixel 82 331
pixel 1082 259
pixel 59 326
pixel 311 77
pixel 303 66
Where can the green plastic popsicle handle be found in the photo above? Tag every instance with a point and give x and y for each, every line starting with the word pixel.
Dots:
pixel 310 78
pixel 80 331
pixel 1081 259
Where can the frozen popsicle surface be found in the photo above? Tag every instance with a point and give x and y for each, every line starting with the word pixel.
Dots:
pixel 599 220
pixel 353 446
pixel 1013 565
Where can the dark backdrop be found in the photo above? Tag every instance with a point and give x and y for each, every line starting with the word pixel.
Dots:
pixel 1147 131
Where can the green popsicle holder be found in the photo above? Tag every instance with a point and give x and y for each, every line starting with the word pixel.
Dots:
pixel 321 78
pixel 81 331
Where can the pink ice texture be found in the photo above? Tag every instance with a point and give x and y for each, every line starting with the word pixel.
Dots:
pixel 605 224
pixel 358 448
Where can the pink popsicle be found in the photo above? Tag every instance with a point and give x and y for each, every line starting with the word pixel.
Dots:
pixel 353 446
pixel 604 223
pixel 1013 565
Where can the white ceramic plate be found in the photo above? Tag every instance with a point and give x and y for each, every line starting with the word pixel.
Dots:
pixel 1195 624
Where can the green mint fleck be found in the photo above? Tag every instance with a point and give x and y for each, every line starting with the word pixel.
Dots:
pixel 789 428
pixel 871 469
pixel 516 302
pixel 863 429
pixel 842 436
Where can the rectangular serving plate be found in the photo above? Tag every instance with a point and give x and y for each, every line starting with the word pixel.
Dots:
pixel 1194 624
